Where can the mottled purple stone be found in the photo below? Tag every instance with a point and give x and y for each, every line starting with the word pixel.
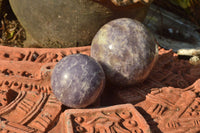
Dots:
pixel 126 50
pixel 77 80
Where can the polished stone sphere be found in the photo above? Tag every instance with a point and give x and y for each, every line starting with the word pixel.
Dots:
pixel 126 50
pixel 77 80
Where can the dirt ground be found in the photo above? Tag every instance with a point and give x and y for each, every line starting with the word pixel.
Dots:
pixel 11 32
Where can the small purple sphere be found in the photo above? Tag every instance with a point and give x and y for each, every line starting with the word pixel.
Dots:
pixel 126 50
pixel 77 80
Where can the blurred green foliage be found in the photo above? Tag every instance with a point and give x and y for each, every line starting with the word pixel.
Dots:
pixel 191 9
pixel 182 3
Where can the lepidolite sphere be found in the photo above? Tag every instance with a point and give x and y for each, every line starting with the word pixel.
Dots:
pixel 126 50
pixel 77 80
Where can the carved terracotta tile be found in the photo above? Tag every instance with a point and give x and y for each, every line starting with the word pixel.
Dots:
pixel 169 99
pixel 120 118
pixel 30 68
pixel 170 109
pixel 40 55
pixel 10 127
pixel 35 110
pixel 26 101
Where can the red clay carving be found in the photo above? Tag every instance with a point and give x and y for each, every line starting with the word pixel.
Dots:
pixel 7 126
pixel 120 118
pixel 170 109
pixel 35 110
pixel 167 101
pixel 30 68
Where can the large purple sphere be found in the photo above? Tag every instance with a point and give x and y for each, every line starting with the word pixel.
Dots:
pixel 126 50
pixel 77 80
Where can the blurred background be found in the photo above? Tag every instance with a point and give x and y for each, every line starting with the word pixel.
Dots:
pixel 13 34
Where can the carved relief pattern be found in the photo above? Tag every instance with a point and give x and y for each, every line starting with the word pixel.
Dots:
pixel 169 99
pixel 38 55
pixel 120 119
pixel 129 2
pixel 10 127
pixel 171 71
pixel 26 109
pixel 173 109
pixel 30 69
pixel 26 101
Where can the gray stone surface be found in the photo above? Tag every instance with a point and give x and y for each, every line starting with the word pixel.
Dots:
pixel 126 50
pixel 66 23
pixel 77 80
